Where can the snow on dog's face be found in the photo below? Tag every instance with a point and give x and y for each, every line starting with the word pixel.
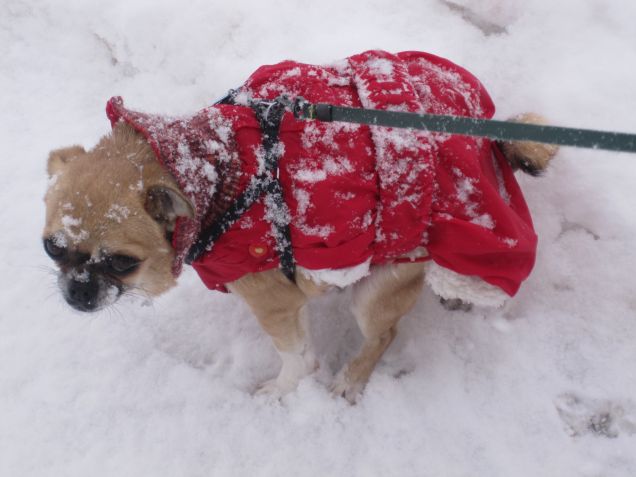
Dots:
pixel 110 212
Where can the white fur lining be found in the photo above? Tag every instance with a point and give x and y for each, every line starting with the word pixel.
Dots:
pixel 341 277
pixel 444 283
pixel 449 285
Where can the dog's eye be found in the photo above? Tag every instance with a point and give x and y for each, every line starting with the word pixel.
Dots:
pixel 122 264
pixel 53 249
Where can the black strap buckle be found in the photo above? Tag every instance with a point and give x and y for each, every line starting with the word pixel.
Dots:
pixel 270 112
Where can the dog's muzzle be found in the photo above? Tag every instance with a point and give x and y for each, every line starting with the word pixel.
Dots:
pixel 88 292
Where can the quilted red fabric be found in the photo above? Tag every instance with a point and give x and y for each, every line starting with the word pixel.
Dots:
pixel 354 193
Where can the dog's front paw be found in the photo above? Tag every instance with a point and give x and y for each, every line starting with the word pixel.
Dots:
pixel 346 388
pixel 273 389
pixel 295 367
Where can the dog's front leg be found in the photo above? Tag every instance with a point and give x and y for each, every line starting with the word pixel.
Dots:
pixel 379 301
pixel 279 306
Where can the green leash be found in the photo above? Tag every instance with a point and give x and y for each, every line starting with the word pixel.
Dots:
pixel 500 130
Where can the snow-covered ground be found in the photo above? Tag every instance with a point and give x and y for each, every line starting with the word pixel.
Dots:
pixel 544 386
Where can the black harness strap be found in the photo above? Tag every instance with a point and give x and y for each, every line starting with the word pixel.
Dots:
pixel 269 115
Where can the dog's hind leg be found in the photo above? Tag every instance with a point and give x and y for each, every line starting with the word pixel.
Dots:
pixel 379 301
pixel 279 306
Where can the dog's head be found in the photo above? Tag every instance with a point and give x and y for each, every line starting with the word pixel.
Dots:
pixel 110 213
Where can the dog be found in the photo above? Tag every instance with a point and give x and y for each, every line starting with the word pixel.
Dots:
pixel 379 210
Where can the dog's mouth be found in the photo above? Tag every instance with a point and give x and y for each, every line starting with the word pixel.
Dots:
pixel 88 292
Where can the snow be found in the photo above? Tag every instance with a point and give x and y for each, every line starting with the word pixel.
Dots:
pixel 545 385
pixel 382 68
pixel 303 197
pixel 59 239
pixel 455 83
pixel 466 192
pixel 80 277
pixel 194 168
pixel 331 166
pixel 503 193
pixel 72 228
pixel 118 213
pixel 223 128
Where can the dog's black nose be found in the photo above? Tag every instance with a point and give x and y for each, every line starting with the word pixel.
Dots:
pixel 82 295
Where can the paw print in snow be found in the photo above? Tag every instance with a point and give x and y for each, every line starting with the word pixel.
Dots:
pixel 601 418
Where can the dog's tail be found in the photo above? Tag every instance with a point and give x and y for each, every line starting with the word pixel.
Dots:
pixel 531 157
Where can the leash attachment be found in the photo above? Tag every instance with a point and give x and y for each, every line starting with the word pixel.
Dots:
pixel 490 128
pixel 267 184
pixel 303 109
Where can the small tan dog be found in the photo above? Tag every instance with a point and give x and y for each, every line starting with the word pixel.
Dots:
pixel 110 215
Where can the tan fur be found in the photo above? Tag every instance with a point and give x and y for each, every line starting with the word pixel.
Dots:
pixel 276 302
pixel 531 156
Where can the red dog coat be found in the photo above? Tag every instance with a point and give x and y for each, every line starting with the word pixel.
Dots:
pixel 355 194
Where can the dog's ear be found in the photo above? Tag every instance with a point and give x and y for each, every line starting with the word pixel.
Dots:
pixel 60 157
pixel 165 204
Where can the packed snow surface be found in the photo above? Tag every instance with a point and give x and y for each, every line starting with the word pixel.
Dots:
pixel 545 385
